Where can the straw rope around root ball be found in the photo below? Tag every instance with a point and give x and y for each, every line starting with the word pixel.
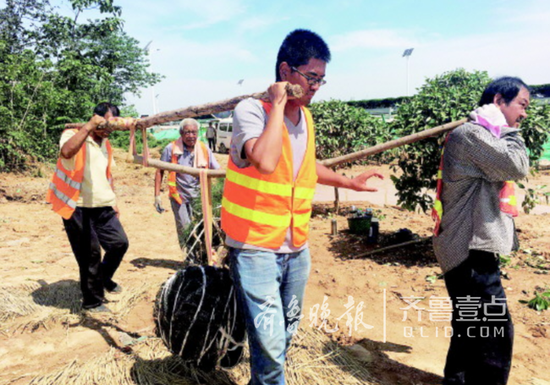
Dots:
pixel 312 359
pixel 38 304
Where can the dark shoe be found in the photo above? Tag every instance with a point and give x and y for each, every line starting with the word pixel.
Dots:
pixel 116 290
pixel 99 309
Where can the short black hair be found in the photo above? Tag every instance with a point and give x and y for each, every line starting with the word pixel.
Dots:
pixel 299 47
pixel 506 86
pixel 102 108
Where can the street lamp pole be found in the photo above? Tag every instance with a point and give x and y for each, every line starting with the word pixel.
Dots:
pixel 153 96
pixel 407 54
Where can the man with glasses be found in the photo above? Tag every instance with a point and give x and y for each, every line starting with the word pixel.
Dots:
pixel 266 206
pixel 183 188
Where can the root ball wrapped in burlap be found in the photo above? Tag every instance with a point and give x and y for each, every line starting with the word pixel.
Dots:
pixel 198 318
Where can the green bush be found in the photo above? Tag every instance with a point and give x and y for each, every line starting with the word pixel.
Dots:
pixel 443 99
pixel 534 130
pixel 342 129
pixel 378 103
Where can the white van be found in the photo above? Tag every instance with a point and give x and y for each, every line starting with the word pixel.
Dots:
pixel 224 132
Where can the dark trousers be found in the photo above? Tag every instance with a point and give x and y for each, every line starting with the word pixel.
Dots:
pixel 212 143
pixel 480 352
pixel 89 230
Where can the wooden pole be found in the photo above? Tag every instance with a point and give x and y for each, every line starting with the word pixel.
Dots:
pixel 293 90
pixel 167 166
pixel 393 143
pixel 328 162
pixel 337 199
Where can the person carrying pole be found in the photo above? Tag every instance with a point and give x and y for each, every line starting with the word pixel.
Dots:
pixel 474 210
pixel 183 189
pixel 82 192
pixel 266 206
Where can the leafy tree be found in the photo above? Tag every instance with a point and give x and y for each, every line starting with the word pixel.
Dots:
pixel 534 130
pixel 443 99
pixel 54 69
pixel 24 102
pixel 342 129
pixel 96 57
pixel 17 21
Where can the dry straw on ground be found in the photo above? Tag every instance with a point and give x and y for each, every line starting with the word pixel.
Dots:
pixel 313 359
pixel 29 306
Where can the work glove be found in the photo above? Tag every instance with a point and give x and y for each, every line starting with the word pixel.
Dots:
pixel 490 117
pixel 158 204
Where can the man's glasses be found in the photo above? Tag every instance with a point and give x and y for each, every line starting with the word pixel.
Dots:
pixel 195 133
pixel 310 79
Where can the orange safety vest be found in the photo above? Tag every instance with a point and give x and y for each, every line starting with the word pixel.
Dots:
pixel 258 209
pixel 507 196
pixel 437 209
pixel 65 185
pixel 172 185
pixel 508 200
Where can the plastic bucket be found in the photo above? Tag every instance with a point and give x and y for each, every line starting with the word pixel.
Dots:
pixel 360 225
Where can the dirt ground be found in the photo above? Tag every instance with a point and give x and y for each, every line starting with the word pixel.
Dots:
pixel 42 330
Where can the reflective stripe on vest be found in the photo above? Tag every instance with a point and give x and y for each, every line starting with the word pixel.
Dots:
pixel 259 185
pixel 66 179
pixel 258 209
pixel 65 186
pixel 62 197
pixel 172 182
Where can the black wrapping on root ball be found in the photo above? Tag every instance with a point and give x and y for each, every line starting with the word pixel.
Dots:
pixel 198 318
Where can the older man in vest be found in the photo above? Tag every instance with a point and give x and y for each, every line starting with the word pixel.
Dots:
pixel 82 192
pixel 474 213
pixel 187 150
pixel 266 207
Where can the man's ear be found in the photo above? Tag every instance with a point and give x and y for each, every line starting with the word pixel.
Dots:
pixel 284 70
pixel 498 100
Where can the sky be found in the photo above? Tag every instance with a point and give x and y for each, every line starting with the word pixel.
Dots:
pixel 204 47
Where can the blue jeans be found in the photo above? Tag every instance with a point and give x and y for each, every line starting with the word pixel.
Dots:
pixel 270 288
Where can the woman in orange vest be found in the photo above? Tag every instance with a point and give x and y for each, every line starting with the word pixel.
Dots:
pixel 266 206
pixel 81 191
pixel 474 211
